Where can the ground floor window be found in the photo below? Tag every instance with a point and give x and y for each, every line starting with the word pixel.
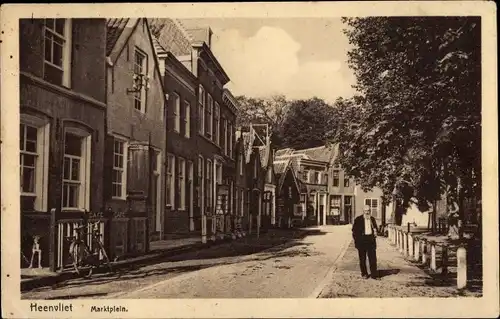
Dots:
pixel 374 205
pixel 76 171
pixel 34 155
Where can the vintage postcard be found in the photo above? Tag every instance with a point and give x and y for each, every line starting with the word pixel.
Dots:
pixel 242 160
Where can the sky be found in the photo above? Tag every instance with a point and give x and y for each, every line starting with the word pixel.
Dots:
pixel 298 57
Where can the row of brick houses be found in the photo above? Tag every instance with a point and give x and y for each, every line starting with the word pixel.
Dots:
pixel 127 122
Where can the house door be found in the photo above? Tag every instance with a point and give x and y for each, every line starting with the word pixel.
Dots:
pixel 155 215
pixel 321 209
pixel 347 209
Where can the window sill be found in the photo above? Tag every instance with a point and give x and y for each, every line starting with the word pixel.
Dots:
pixel 118 198
pixel 28 194
pixel 72 209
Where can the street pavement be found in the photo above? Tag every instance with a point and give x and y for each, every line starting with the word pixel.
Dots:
pixel 399 278
pixel 279 264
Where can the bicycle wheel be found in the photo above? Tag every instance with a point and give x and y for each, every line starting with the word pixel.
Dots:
pixel 106 260
pixel 76 256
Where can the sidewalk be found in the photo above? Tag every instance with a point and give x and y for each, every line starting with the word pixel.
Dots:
pixel 34 278
pixel 399 278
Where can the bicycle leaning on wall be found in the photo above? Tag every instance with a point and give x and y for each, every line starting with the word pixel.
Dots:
pixel 82 256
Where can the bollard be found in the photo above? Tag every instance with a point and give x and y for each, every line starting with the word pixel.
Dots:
pixel 405 243
pixel 424 251
pixel 410 245
pixel 400 241
pixel 416 252
pixel 461 267
pixel 444 260
pixel 433 256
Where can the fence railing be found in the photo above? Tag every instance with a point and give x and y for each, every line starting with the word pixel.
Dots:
pixel 429 253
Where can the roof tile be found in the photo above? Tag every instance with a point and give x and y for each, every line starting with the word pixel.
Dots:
pixel 114 28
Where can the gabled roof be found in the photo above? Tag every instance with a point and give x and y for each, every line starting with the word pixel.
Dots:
pixel 281 168
pixel 159 49
pixel 114 28
pixel 325 154
pixel 284 152
pixel 321 154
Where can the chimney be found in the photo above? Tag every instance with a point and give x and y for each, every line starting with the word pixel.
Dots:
pixel 209 36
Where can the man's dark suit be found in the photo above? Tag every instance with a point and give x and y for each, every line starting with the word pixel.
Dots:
pixel 366 244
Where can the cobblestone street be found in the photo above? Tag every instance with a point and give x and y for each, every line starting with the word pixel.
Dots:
pixel 291 263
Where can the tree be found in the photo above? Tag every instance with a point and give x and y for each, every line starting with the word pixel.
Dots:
pixel 416 129
pixel 272 111
pixel 307 123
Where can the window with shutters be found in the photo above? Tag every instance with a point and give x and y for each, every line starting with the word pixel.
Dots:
pixel 374 205
pixel 119 179
pixel 201 109
pixel 57 51
pixel 170 190
pixel 181 183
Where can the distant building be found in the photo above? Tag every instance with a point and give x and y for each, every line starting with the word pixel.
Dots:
pixel 328 196
pixel 288 190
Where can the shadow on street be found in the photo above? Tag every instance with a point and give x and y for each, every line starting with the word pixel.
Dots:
pixel 274 244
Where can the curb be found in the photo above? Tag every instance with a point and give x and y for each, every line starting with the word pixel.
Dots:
pixel 321 287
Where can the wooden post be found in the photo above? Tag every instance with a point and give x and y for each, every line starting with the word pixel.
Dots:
pixel 410 245
pixel 444 259
pixel 403 249
pixel 424 251
pixel 433 256
pixel 416 255
pixel 203 228
pixel 53 246
pixel 461 267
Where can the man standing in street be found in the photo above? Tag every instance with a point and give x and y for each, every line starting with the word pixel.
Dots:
pixel 364 233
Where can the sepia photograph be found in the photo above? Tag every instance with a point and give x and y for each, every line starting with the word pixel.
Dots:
pixel 241 157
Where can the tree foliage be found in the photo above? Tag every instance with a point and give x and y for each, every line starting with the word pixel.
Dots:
pixel 293 123
pixel 417 128
pixel 272 111
pixel 307 123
